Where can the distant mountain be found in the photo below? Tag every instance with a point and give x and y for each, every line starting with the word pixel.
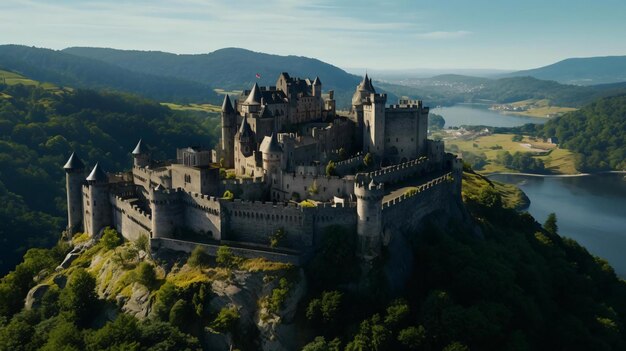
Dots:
pixel 66 69
pixel 228 69
pixel 581 71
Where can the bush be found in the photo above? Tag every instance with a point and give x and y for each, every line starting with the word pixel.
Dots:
pixel 228 195
pixel 110 239
pixel 142 243
pixel 225 257
pixel 145 274
pixel 279 295
pixel 199 257
pixel 331 169
pixel 307 204
pixel 277 237
pixel 412 337
pixel 79 298
pixel 226 320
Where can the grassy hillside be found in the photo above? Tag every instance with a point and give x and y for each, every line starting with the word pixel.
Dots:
pixel 581 71
pixel 63 69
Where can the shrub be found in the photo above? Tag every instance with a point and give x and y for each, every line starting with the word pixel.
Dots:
pixel 226 320
pixel 277 237
pixel 145 274
pixel 307 204
pixel 368 159
pixel 279 295
pixel 228 195
pixel 225 257
pixel 198 257
pixel 412 337
pixel 331 169
pixel 110 239
pixel 142 243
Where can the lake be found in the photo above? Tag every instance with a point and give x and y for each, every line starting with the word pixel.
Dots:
pixel 590 210
pixel 480 114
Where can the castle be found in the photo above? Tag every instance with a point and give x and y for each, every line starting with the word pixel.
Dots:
pixel 287 167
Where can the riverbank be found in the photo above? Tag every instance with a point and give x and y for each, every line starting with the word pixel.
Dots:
pixel 552 175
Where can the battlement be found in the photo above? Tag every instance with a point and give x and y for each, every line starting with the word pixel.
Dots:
pixel 418 190
pixel 244 181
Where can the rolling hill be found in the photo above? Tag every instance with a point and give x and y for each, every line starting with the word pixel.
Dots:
pixel 64 69
pixel 581 71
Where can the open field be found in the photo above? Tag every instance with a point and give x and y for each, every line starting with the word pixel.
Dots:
pixel 536 108
pixel 193 107
pixel 11 78
pixel 229 92
pixel 557 161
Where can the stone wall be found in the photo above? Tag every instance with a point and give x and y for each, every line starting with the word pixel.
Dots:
pixel 129 220
pixel 256 221
pixel 327 187
pixel 350 165
pixel 401 171
pixel 246 189
pixel 211 249
pixel 203 214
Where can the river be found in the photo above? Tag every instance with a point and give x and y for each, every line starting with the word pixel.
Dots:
pixel 590 210
pixel 480 114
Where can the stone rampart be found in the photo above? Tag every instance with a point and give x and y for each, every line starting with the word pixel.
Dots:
pixel 130 220
pixel 202 214
pixel 211 249
pixel 349 166
pixel 402 171
pixel 320 188
pixel 247 189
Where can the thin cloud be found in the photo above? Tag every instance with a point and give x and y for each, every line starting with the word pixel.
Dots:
pixel 437 35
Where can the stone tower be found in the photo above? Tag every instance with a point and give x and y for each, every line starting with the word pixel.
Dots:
pixel 163 208
pixel 96 203
pixel 229 127
pixel 369 197
pixel 317 87
pixel 272 161
pixel 374 125
pixel 74 178
pixel 141 157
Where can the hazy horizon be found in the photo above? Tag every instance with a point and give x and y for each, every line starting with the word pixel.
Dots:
pixel 407 35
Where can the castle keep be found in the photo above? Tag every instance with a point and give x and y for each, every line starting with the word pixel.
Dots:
pixel 287 167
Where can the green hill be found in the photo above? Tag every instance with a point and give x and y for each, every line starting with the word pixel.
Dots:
pixel 581 71
pixel 64 69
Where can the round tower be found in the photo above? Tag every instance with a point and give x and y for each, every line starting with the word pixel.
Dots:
pixel 74 173
pixel 141 157
pixel 229 120
pixel 369 195
pixel 96 203
pixel 162 222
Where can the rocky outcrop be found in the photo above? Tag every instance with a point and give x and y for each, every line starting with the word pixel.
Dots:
pixel 33 298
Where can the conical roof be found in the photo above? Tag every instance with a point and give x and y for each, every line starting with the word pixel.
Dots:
pixel 266 113
pixel 73 163
pixel 140 148
pixel 366 84
pixel 270 144
pixel 97 174
pixel 317 81
pixel 254 98
pixel 244 129
pixel 227 107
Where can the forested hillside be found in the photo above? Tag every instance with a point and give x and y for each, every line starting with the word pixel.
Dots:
pixel 40 128
pixel 80 72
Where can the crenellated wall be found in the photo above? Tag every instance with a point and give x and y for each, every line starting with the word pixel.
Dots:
pixel 202 214
pixel 254 222
pixel 247 189
pixel 401 171
pixel 350 165
pixel 407 210
pixel 130 220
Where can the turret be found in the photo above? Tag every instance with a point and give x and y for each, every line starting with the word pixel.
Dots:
pixel 272 159
pixel 317 87
pixel 374 125
pixel 163 206
pixel 141 157
pixel 74 178
pixel 229 120
pixel 252 104
pixel 96 203
pixel 369 196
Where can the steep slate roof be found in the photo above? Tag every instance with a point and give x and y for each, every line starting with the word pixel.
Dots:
pixel 266 113
pixel 254 98
pixel 140 148
pixel 366 84
pixel 74 163
pixel 227 107
pixel 270 144
pixel 317 81
pixel 97 174
pixel 245 130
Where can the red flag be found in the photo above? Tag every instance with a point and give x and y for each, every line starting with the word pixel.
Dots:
pixel 258 76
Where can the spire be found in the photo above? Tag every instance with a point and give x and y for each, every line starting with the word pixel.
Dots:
pixel 227 107
pixel 245 130
pixel 73 163
pixel 317 81
pixel 255 96
pixel 97 174
pixel 139 149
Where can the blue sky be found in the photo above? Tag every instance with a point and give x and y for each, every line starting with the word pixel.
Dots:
pixel 376 34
